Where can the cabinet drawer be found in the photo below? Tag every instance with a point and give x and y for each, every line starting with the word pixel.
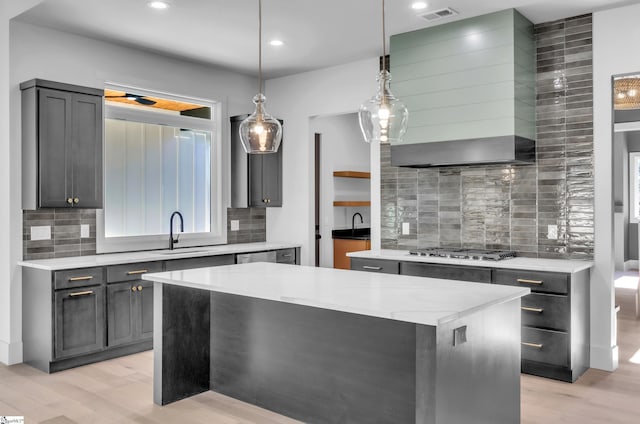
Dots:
pixel 550 347
pixel 375 265
pixel 286 256
pixel 537 281
pixel 202 262
pixel 78 278
pixel 546 310
pixel 448 272
pixel 128 272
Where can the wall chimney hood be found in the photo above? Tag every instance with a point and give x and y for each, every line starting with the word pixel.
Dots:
pixel 469 86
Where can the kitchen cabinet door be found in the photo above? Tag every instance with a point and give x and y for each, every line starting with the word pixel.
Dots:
pixel 144 310
pixel 265 179
pixel 85 160
pixel 79 321
pixel 54 128
pixel 121 313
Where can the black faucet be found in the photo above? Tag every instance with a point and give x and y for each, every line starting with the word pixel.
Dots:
pixel 171 240
pixel 353 219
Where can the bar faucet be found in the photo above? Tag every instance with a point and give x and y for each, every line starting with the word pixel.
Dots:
pixel 171 239
pixel 353 219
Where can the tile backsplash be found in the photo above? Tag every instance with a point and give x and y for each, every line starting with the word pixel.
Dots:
pixel 253 225
pixel 513 206
pixel 65 225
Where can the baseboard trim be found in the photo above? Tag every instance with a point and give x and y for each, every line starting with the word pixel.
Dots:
pixel 604 358
pixel 10 353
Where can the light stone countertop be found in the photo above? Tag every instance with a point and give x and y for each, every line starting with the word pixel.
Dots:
pixel 534 264
pixel 428 301
pixel 151 255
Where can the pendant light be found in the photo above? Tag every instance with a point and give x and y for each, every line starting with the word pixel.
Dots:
pixel 383 118
pixel 260 132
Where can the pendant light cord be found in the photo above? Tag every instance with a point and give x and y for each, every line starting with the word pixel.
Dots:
pixel 384 41
pixel 260 46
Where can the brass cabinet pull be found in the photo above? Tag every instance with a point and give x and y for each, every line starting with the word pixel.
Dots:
pixel 69 200
pixel 139 271
pixel 536 345
pixel 523 281
pixel 529 309
pixel 82 293
pixel 76 200
pixel 139 288
pixel 134 288
pixel 83 278
pixel 374 268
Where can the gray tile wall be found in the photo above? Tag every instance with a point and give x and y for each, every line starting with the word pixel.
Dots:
pixel 253 225
pixel 65 233
pixel 511 206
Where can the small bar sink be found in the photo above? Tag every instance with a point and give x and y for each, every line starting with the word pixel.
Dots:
pixel 355 234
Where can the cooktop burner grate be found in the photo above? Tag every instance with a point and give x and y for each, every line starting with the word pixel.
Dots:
pixel 472 254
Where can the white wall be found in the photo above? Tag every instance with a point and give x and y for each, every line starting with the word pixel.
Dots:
pixel 613 32
pixel 10 331
pixel 342 148
pixel 37 52
pixel 295 99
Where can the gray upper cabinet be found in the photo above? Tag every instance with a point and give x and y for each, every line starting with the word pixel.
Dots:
pixel 256 179
pixel 62 138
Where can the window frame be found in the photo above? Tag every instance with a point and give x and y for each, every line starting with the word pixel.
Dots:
pixel 218 210
pixel 634 187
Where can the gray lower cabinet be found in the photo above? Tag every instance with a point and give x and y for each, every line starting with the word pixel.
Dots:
pixel 79 321
pixel 448 272
pixel 555 316
pixel 130 303
pixel 79 316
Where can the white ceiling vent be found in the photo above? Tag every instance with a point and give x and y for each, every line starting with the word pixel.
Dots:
pixel 438 14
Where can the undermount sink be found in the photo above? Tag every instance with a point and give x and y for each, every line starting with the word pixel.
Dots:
pixel 355 234
pixel 179 251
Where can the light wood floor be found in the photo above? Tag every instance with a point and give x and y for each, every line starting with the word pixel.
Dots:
pixel 119 391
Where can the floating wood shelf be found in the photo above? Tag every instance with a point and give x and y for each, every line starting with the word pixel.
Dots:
pixel 351 203
pixel 352 174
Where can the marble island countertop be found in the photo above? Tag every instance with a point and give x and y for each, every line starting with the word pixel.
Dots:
pixel 536 264
pixel 151 255
pixel 428 301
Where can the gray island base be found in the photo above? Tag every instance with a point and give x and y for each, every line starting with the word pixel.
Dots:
pixel 336 346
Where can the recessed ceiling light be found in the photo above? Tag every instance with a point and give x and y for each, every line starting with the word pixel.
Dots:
pixel 419 5
pixel 158 4
pixel 276 42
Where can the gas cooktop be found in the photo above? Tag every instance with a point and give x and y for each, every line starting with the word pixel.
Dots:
pixel 473 254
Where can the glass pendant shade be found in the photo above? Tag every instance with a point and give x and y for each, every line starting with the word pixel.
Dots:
pixel 383 118
pixel 260 132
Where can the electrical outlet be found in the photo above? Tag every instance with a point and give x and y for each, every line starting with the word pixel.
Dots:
pixel 235 225
pixel 41 232
pixel 552 232
pixel 406 228
pixel 84 231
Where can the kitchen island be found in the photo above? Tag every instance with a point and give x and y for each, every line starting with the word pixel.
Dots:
pixel 330 346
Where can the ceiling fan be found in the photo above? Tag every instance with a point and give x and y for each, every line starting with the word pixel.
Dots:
pixel 134 97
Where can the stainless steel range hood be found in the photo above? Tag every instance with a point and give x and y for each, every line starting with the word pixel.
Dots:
pixel 491 150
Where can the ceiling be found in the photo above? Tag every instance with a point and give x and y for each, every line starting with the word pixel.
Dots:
pixel 317 34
